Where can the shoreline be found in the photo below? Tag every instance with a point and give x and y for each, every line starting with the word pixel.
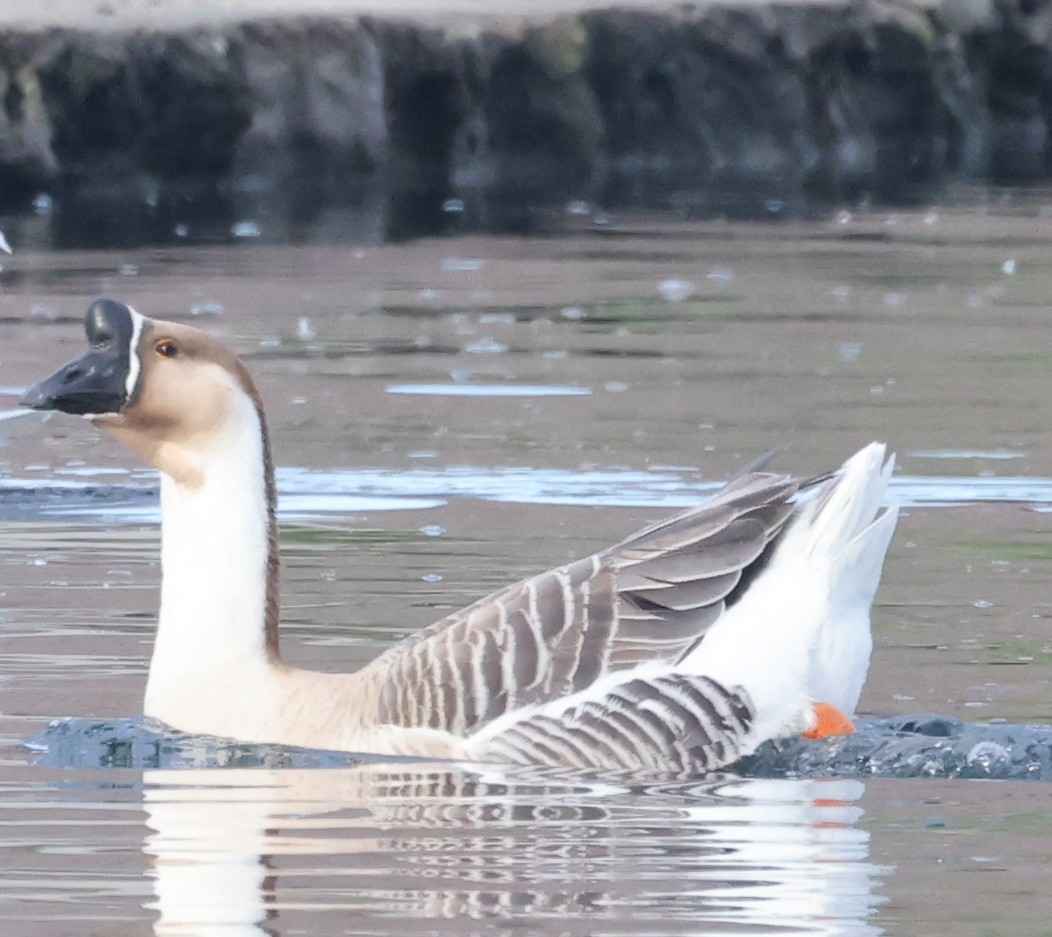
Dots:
pixel 471 109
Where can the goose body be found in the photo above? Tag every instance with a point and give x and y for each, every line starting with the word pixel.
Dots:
pixel 676 651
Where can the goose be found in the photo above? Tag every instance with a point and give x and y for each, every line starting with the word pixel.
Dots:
pixel 675 652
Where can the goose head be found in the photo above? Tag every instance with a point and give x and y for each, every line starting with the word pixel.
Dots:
pixel 167 391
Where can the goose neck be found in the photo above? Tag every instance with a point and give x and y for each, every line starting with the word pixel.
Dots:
pixel 219 598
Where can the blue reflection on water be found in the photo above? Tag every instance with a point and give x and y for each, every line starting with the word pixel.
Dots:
pixel 308 493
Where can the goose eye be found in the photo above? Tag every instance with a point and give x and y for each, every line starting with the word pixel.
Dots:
pixel 166 348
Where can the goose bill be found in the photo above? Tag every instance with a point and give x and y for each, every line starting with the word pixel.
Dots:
pixel 96 383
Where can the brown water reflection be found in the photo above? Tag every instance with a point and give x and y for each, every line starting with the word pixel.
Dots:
pixel 698 346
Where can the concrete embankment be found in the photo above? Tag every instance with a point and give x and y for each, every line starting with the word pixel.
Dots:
pixel 469 107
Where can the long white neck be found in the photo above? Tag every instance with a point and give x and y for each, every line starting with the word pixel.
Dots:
pixel 218 618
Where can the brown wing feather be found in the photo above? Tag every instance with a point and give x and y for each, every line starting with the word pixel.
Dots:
pixel 669 725
pixel 649 598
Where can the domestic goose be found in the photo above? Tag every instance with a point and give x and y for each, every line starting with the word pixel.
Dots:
pixel 674 652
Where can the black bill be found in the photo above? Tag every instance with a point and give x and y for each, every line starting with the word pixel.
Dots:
pixel 97 382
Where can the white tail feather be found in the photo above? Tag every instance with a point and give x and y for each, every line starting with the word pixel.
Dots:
pixel 848 504
pixel 843 530
pixel 801 632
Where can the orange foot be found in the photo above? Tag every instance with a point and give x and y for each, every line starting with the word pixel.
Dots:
pixel 829 721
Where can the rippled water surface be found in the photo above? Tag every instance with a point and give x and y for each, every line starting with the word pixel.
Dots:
pixel 450 415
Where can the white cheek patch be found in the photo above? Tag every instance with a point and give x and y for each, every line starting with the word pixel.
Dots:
pixel 134 361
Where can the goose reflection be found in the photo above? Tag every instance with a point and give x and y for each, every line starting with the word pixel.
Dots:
pixel 427 849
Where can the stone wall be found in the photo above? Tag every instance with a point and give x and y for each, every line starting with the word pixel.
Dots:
pixel 751 107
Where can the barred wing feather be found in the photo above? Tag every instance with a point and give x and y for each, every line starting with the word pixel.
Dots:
pixel 650 598
pixel 668 724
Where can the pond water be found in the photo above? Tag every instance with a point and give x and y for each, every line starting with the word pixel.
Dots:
pixel 449 415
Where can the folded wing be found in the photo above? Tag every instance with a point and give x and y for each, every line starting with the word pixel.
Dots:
pixel 650 598
pixel 667 724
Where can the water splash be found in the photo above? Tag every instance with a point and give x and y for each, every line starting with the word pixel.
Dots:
pixel 144 743
pixel 917 746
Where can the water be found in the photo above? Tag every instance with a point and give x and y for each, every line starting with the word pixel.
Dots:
pixel 925 746
pixel 450 415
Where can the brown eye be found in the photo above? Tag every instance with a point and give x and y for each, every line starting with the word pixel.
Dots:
pixel 166 348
